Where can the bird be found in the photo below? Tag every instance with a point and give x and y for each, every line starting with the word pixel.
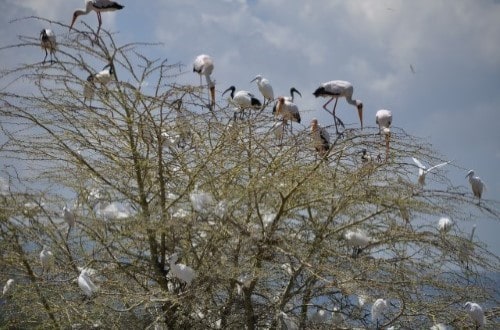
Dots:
pixel 365 156
pixel 476 184
pixel 288 111
pixel 319 317
pixel 383 118
pixel 48 42
pixel 321 138
pixel 422 170
pixel 85 283
pixel 242 99
pixel 476 313
pixel 290 98
pixel 69 217
pixel 182 272
pixel 8 287
pixel 88 89
pixel 265 88
pixel 358 239
pixel 202 201
pixel 204 66
pixel 445 224
pixel 334 90
pixel 104 76
pixel 46 259
pixel 378 309
pixel 439 326
pixel 98 6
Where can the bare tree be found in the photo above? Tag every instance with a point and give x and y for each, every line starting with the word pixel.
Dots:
pixel 262 228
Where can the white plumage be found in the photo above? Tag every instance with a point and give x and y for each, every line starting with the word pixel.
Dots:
pixel 476 314
pixel 202 201
pixel 265 88
pixel 439 326
pixel 476 184
pixel 383 118
pixel 85 283
pixel 357 238
pixel 445 224
pixel 287 110
pixel 98 6
pixel 378 309
pixel 321 138
pixel 48 43
pixel 105 75
pixel 69 216
pixel 422 170
pixel 46 259
pixel 8 287
pixel 204 65
pixel 319 317
pixel 182 272
pixel 242 99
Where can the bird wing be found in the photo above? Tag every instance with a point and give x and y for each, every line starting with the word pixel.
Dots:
pixel 437 166
pixel 419 164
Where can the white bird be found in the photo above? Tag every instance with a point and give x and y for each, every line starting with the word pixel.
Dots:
pixel 265 88
pixel 98 6
pixel 204 66
pixel 319 317
pixel 289 322
pixel 476 313
pixel 321 138
pixel 378 309
pixel 476 184
pixel 8 287
pixel 288 111
pixel 69 217
pixel 445 224
pixel 85 283
pixel 48 42
pixel 439 326
pixel 383 118
pixel 242 99
pixel 182 272
pixel 104 76
pixel 46 259
pixel 88 89
pixel 357 239
pixel 422 170
pixel 334 90
pixel 201 201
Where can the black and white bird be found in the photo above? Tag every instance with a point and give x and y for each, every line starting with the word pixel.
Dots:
pixel 422 170
pixel 242 100
pixel 290 98
pixel 98 6
pixel 265 88
pixel 204 65
pixel 321 138
pixel 365 156
pixel 336 89
pixel 476 314
pixel 48 43
pixel 383 118
pixel 476 184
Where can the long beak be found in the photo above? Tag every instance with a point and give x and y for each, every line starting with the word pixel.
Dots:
pixel 253 79
pixel 360 114
pixel 72 22
pixel 227 90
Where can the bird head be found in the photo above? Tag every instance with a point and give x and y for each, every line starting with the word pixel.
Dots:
pixel 75 16
pixel 359 105
pixel 43 33
pixel 257 77
pixel 232 89
pixel 294 90
pixel 470 174
pixel 279 105
pixel 314 124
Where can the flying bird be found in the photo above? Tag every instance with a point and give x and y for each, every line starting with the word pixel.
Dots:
pixel 321 138
pixel 476 314
pixel 243 100
pixel 85 283
pixel 476 184
pixel 48 43
pixel 383 118
pixel 334 90
pixel 182 272
pixel 98 6
pixel 422 170
pixel 204 66
pixel 265 88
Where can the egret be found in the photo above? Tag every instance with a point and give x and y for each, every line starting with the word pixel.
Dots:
pixel 46 259
pixel 242 99
pixel 204 66
pixel 288 111
pixel 378 309
pixel 85 283
pixel 265 88
pixel 476 313
pixel 476 184
pixel 358 240
pixel 321 138
pixel 182 272
pixel 69 217
pixel 7 288
pixel 383 118
pixel 88 89
pixel 98 6
pixel 201 201
pixel 48 42
pixel 422 170
pixel 334 90
pixel 439 326
pixel 445 224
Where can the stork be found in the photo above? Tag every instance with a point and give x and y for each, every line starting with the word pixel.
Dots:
pixel 321 138
pixel 383 118
pixel 48 42
pixel 288 111
pixel 476 184
pixel 243 100
pixel 288 98
pixel 204 66
pixel 98 6
pixel 265 88
pixel 334 90
pixel 476 314
pixel 422 170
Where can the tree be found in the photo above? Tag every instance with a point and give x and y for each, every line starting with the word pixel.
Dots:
pixel 148 170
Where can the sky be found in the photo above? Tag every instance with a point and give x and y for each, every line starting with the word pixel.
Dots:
pixel 434 63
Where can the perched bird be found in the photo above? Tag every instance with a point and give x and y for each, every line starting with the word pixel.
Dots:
pixel 383 118
pixel 378 309
pixel 334 90
pixel 201 201
pixel 422 170
pixel 242 99
pixel 204 66
pixel 319 317
pixel 358 240
pixel 290 98
pixel 288 111
pixel 288 322
pixel 88 90
pixel 321 138
pixel 46 259
pixel 445 224
pixel 265 88
pixel 104 76
pixel 48 43
pixel 476 184
pixel 476 314
pixel 69 217
pixel 365 156
pixel 182 272
pixel 439 326
pixel 8 287
pixel 85 283
pixel 98 6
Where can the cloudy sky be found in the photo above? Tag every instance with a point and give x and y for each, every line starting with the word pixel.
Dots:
pixel 435 64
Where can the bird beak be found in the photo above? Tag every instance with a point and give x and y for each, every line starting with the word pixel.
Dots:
pixel 227 90
pixel 360 114
pixel 72 22
pixel 253 79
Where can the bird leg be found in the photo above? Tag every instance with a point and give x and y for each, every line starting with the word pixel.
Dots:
pixel 336 120
pixel 45 56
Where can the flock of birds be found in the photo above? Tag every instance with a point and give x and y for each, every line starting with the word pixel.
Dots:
pixel 286 110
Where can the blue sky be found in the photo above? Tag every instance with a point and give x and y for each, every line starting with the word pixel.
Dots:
pixel 451 100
